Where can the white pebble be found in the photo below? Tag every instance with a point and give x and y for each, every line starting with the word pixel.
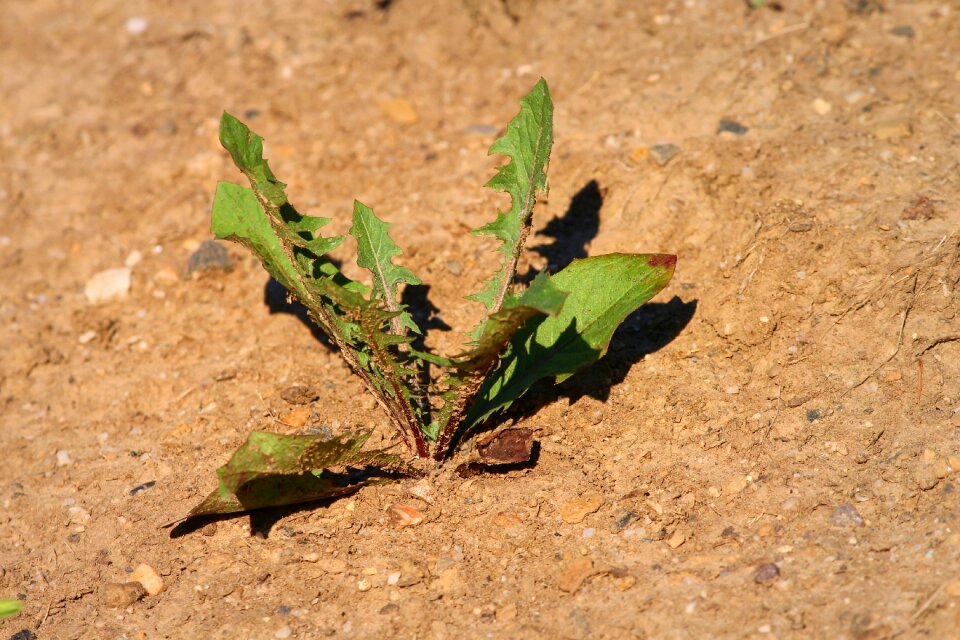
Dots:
pixel 822 107
pixel 733 389
pixel 133 259
pixel 63 458
pixel 87 336
pixel 393 578
pixel 589 532
pixel 283 632
pixel 135 25
pixel 108 285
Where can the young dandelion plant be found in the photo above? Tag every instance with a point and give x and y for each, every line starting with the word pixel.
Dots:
pixel 554 327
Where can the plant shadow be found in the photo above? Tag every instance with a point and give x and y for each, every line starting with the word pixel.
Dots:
pixel 262 519
pixel 574 230
pixel 415 297
pixel 647 330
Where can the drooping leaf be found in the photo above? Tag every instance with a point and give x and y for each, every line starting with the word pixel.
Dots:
pixel 272 470
pixel 375 252
pixel 603 291
pixel 10 607
pixel 527 141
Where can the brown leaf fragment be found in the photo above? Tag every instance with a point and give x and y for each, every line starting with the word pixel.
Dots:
pixel 510 446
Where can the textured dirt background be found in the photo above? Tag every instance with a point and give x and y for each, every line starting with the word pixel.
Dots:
pixel 784 402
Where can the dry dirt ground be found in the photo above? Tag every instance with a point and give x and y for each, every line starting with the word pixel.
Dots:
pixel 770 450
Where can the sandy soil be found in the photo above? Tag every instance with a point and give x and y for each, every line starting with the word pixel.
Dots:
pixel 770 450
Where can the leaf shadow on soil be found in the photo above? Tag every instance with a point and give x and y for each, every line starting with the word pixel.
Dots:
pixel 415 297
pixel 572 232
pixel 262 520
pixel 647 330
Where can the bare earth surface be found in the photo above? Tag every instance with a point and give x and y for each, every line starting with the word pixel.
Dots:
pixel 771 449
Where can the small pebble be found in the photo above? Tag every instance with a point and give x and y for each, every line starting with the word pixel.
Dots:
pixel 399 110
pixel 766 573
pixel 133 259
pixel 422 489
pixel 298 394
pixel 676 540
pixel 63 458
pixel 111 284
pixel 119 595
pixel 297 417
pixel 621 522
pixel 403 515
pixel 664 153
pixel 926 478
pixel 87 337
pixel 814 414
pixel 731 126
pixel 149 578
pixel 140 488
pixel 904 31
pixel 135 25
pixel 166 277
pixel 209 256
pixel 483 129
pixel 822 107
pixel 283 632
pixel 454 267
pixel 893 129
pixel 574 511
pixel 846 515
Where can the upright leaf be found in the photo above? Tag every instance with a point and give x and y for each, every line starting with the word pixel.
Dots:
pixel 527 142
pixel 603 291
pixel 293 251
pixel 375 252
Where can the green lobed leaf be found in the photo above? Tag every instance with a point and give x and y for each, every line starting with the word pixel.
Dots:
pixel 375 252
pixel 246 149
pixel 237 216
pixel 527 141
pixel 272 470
pixel 293 251
pixel 10 607
pixel 603 291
